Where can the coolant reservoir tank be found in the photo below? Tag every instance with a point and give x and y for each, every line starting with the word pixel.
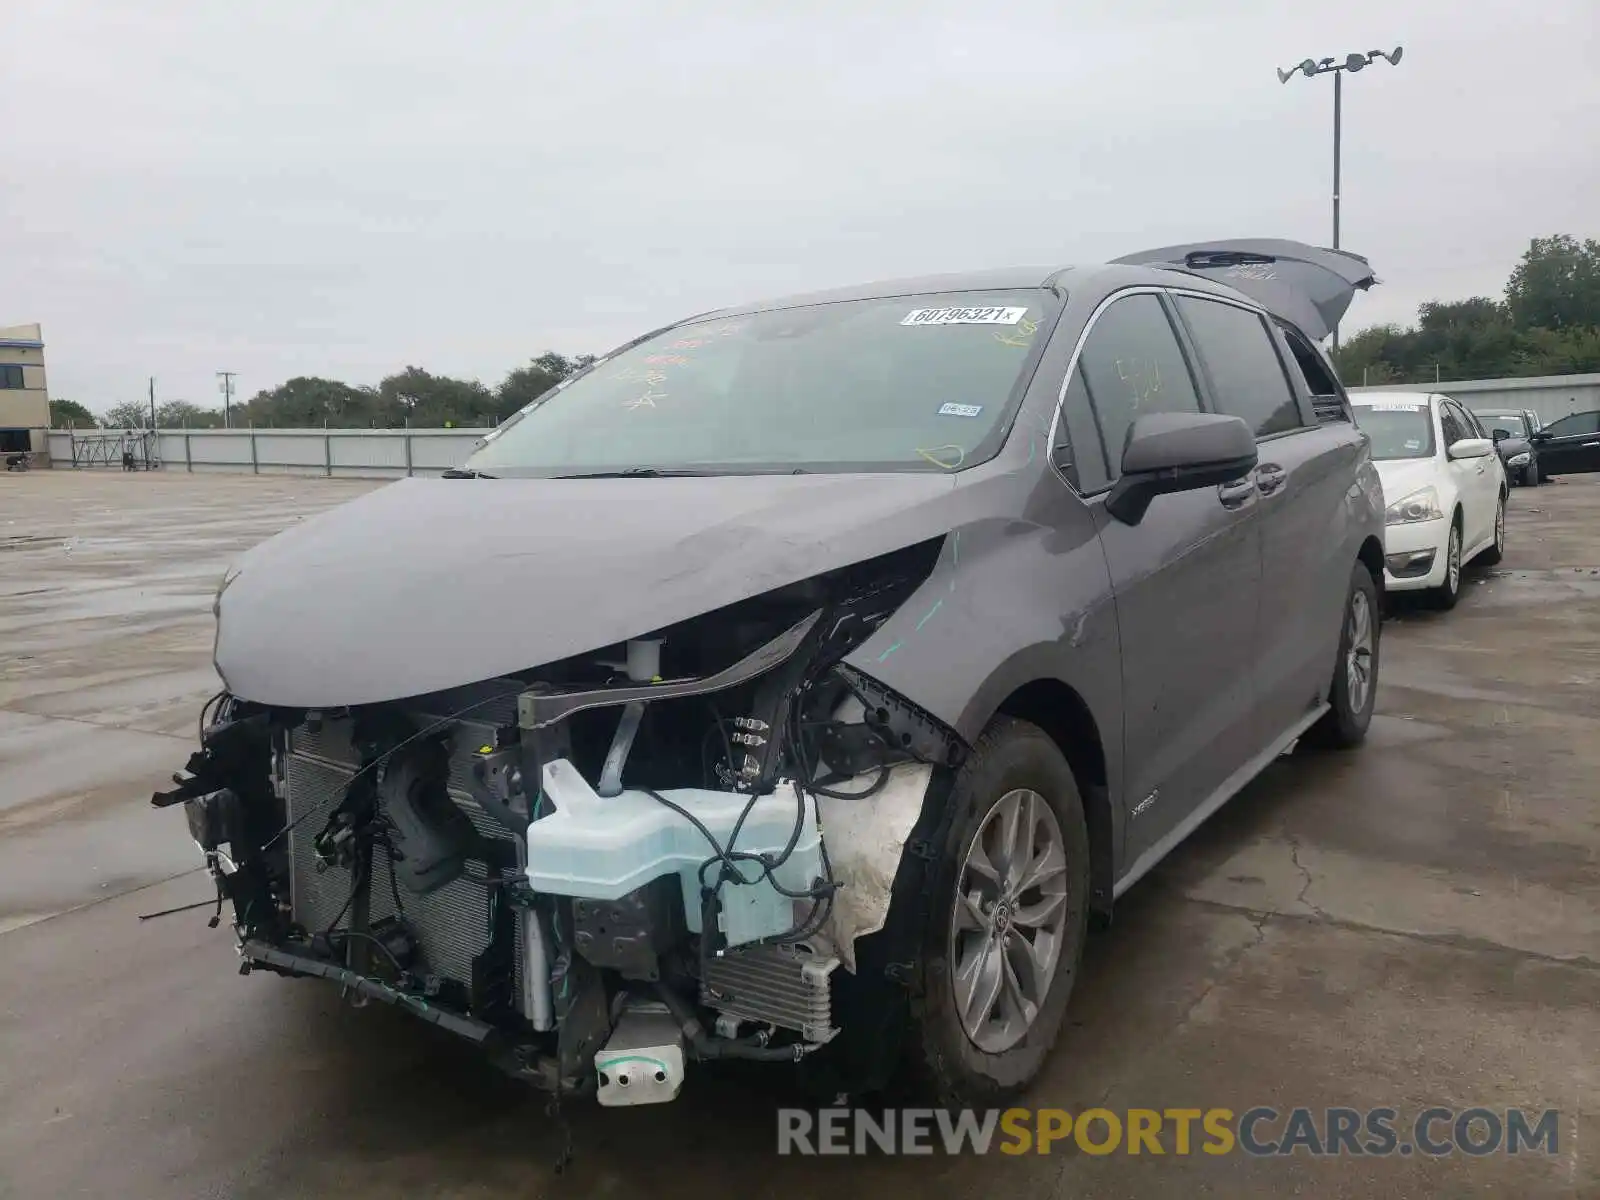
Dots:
pixel 644 659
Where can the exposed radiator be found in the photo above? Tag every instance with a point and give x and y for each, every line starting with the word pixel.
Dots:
pixel 451 924
pixel 786 986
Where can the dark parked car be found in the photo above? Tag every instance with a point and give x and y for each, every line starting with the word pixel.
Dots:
pixel 792 683
pixel 1512 430
pixel 1569 446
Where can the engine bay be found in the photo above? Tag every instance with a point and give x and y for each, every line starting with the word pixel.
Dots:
pixel 599 868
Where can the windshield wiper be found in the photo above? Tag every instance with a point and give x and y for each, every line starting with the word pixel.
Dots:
pixel 638 473
pixel 466 473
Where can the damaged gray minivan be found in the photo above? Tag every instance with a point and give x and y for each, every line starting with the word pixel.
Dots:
pixel 793 683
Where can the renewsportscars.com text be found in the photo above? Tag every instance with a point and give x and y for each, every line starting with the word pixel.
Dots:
pixel 1259 1132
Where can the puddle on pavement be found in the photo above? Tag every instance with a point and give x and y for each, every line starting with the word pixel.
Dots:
pixel 28 541
pixel 1511 588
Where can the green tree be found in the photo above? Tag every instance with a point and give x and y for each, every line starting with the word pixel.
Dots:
pixel 130 414
pixel 181 414
pixel 308 402
pixel 69 412
pixel 1549 324
pixel 1372 356
pixel 1557 284
pixel 428 400
pixel 526 384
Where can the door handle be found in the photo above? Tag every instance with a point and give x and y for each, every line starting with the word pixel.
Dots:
pixel 1586 445
pixel 1269 478
pixel 1236 494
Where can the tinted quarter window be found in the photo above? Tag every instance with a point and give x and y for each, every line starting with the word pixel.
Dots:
pixel 1587 422
pixel 1454 428
pixel 1132 365
pixel 1247 378
pixel 1319 382
pixel 1078 449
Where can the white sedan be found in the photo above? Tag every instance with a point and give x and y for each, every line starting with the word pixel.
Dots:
pixel 1444 485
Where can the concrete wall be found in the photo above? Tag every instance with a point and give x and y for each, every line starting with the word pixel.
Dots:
pixel 374 453
pixel 27 407
pixel 1551 396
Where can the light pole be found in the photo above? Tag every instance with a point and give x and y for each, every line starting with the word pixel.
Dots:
pixel 1311 68
pixel 226 387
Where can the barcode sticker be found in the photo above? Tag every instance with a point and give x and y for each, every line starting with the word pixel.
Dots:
pixel 964 316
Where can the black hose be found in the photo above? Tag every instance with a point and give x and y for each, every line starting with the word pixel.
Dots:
pixel 707 1046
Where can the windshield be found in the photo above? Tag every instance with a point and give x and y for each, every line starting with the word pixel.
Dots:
pixel 1512 424
pixel 923 383
pixel 1397 430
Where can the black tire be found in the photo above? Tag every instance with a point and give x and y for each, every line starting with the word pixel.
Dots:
pixel 1345 723
pixel 944 1063
pixel 1535 475
pixel 1444 596
pixel 1497 548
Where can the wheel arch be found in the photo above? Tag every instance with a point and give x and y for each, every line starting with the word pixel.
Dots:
pixel 1371 556
pixel 1062 713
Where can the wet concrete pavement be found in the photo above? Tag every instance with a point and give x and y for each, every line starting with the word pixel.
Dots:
pixel 105 660
pixel 1414 924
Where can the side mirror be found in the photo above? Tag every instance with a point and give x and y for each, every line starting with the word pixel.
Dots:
pixel 1500 435
pixel 1539 436
pixel 1471 448
pixel 1178 452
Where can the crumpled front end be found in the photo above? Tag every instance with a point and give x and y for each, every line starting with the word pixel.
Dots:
pixel 663 849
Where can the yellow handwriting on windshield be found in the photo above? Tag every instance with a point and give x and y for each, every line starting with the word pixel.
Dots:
pixel 1022 338
pixel 949 457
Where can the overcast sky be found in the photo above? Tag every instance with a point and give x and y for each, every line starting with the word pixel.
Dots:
pixel 340 189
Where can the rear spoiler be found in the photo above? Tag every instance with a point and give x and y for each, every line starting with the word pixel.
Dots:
pixel 1310 287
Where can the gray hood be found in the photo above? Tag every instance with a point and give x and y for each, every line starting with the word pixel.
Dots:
pixel 429 583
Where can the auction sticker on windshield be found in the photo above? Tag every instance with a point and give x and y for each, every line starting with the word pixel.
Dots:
pixel 964 316
pixel 1393 406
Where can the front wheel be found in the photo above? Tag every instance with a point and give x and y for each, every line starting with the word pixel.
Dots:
pixel 1003 948
pixel 1354 691
pixel 1448 592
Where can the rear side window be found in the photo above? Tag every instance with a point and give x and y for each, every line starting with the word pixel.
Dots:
pixel 1313 369
pixel 1246 375
pixel 1327 403
pixel 1131 365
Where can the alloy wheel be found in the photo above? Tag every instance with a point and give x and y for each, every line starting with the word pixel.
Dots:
pixel 1009 921
pixel 1453 558
pixel 1358 661
pixel 1500 527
